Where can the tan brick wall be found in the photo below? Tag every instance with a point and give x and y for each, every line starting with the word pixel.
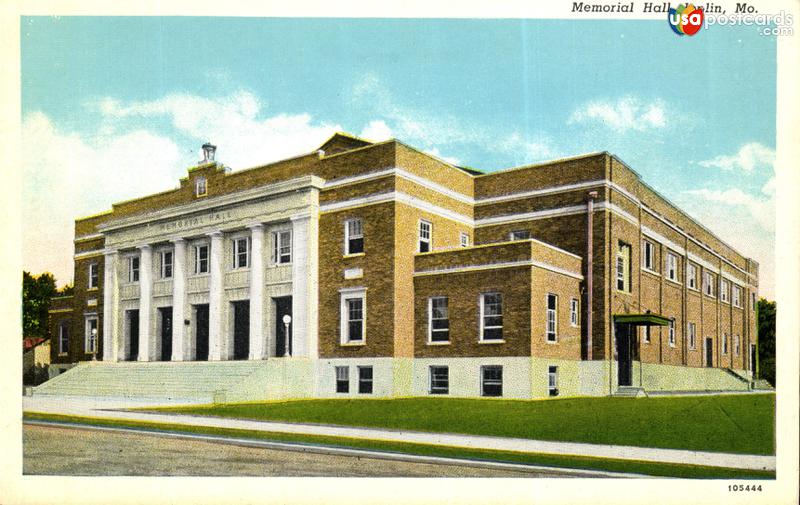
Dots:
pixel 463 291
pixel 568 343
pixel 376 263
pixel 423 165
pixel 541 176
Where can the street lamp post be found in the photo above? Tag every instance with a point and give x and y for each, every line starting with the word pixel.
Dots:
pixel 287 320
pixel 94 344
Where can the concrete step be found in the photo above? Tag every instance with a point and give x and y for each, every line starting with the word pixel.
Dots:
pixel 630 392
pixel 167 380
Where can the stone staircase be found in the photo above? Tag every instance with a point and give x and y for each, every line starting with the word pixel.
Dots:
pixel 630 392
pixel 190 381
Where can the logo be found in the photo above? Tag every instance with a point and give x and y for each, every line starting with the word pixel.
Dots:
pixel 685 19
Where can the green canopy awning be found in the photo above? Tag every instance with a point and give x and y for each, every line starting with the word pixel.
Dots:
pixel 642 319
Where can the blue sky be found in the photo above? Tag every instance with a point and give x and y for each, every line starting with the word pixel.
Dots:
pixel 127 102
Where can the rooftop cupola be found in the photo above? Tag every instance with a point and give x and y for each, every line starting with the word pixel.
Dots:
pixel 208 153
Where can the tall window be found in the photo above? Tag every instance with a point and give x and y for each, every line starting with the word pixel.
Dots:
pixel 353 318
pixel 464 239
pixel 342 379
pixel 133 269
pixel 724 343
pixel 492 380
pixel 282 247
pixel 438 319
pixel 692 328
pixel 200 186
pixel 425 228
pixel 738 344
pixel 648 255
pixel 672 332
pixel 646 334
pixel 552 317
pixel 365 380
pixel 753 301
pixel 166 264
pixel 491 316
pixel 672 267
pixel 737 296
pixel 519 235
pixel 94 277
pixel 574 317
pixel 439 380
pixel 63 338
pixel 241 251
pixel 624 267
pixel 90 339
pixel 552 380
pixel 353 236
pixel 691 276
pixel 723 290
pixel 708 283
pixel 201 259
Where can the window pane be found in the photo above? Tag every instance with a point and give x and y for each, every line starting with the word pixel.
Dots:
pixel 355 246
pixel 365 379
pixel 492 333
pixel 439 377
pixel 492 381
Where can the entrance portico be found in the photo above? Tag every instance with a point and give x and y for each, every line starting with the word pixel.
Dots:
pixel 627 342
pixel 209 257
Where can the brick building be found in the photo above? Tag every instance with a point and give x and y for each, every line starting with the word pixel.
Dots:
pixel 401 275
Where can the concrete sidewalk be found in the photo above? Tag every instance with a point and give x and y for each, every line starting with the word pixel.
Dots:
pixel 104 408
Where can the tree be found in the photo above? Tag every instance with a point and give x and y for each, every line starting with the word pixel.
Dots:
pixel 36 294
pixel 766 339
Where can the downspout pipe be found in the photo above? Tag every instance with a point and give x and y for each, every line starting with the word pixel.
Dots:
pixel 590 196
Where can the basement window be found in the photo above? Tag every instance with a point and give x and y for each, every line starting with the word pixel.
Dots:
pixel 342 379
pixel 492 380
pixel 552 380
pixel 439 380
pixel 365 380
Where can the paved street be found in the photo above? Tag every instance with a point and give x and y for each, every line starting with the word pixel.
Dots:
pixel 74 451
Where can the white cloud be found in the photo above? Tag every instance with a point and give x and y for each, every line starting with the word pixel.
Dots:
pixel 759 209
pixel 528 149
pixel 234 123
pixel 750 156
pixel 376 131
pixel 67 176
pixel 623 115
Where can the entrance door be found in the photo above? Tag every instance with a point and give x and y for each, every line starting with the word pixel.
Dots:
pixel 283 306
pixel 165 315
pixel 709 353
pixel 133 334
pixel 201 332
pixel 241 329
pixel 625 353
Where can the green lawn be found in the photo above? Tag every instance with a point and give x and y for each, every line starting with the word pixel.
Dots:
pixel 723 423
pixel 550 460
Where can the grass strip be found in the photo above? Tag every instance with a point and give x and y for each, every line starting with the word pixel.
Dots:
pixel 554 461
pixel 742 424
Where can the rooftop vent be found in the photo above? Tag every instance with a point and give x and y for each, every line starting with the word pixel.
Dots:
pixel 208 153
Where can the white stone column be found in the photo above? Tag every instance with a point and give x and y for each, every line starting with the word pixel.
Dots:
pixel 258 342
pixel 215 297
pixel 110 307
pixel 146 337
pixel 180 340
pixel 304 285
